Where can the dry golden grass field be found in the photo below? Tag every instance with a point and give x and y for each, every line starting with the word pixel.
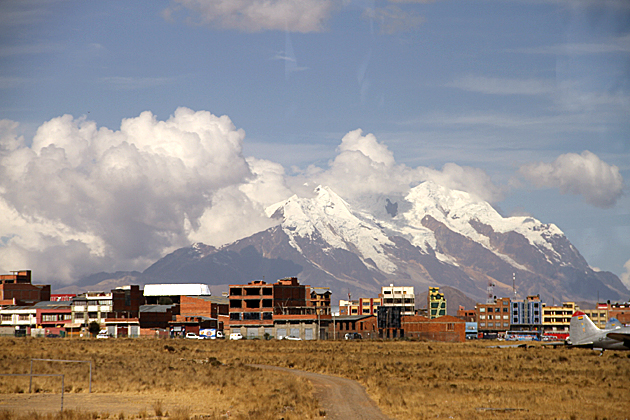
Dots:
pixel 407 379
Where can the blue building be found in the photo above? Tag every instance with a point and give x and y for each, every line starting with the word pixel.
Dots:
pixel 526 314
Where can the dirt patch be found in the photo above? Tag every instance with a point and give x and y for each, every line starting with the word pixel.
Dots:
pixel 339 398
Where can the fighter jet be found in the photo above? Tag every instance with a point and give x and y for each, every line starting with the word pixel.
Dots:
pixel 584 333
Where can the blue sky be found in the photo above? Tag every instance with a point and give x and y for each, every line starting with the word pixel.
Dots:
pixel 529 99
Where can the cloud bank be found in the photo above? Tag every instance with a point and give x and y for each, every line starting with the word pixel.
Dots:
pixel 599 183
pixel 80 199
pixel 259 15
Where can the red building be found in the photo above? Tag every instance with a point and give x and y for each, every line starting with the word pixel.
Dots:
pixel 277 310
pixel 365 325
pixel 16 289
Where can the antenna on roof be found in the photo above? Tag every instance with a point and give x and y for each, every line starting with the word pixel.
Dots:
pixel 490 290
pixel 514 284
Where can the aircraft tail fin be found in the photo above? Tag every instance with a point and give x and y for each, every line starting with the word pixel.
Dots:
pixel 581 329
pixel 613 323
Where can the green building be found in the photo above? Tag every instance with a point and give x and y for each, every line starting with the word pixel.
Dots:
pixel 436 303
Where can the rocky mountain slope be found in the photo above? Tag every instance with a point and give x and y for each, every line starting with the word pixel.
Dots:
pixel 433 236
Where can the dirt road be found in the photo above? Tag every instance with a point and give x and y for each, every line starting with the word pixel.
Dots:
pixel 340 398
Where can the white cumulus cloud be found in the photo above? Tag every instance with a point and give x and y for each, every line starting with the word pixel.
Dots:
pixel 82 199
pixel 259 15
pixel 585 174
pixel 365 167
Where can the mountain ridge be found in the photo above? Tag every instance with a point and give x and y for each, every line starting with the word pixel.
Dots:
pixel 433 236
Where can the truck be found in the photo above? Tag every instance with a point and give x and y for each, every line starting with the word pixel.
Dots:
pixel 211 333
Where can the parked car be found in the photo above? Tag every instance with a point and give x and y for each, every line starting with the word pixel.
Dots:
pixel 353 336
pixel 220 335
pixel 236 336
pixel 193 336
pixel 292 338
pixel 102 334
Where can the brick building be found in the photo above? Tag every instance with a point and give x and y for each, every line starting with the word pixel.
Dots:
pixel 122 302
pixel 445 328
pixel 366 325
pixel 361 306
pixel 493 317
pixel 284 308
pixel 16 289
pixel 621 311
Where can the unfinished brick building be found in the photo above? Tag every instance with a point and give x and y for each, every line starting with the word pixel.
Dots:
pixel 16 289
pixel 281 309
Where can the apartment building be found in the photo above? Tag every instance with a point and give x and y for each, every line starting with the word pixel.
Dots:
pixel 361 306
pixel 599 315
pixel 526 314
pixel 284 308
pixel 493 317
pixel 557 318
pixel 436 303
pixel 18 320
pixel 17 289
pixel 122 302
pixel 399 296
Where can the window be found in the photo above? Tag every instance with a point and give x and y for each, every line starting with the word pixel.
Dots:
pixel 236 291
pixel 235 303
pixel 78 315
pixel 23 317
pixel 497 309
pixel 366 303
pixel 49 318
pixel 267 291
pixel 252 304
pixel 490 324
pixel 6 317
pixel 483 324
pixel 482 309
pixel 450 326
pixel 506 324
pixel 251 316
pixel 267 303
pixel 489 316
pixel 235 316
pixel 482 317
pixel 366 311
pixel 506 317
pixel 267 315
pixel 505 309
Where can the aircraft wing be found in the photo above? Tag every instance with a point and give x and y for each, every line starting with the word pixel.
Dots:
pixel 621 336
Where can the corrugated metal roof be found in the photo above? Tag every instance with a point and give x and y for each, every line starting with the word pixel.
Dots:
pixel 184 289
pixel 45 304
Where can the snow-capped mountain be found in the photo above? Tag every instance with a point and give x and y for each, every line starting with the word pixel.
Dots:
pixel 433 236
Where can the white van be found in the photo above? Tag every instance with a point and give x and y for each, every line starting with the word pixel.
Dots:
pixel 236 336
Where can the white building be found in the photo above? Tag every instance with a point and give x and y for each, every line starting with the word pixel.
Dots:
pixel 91 306
pixel 401 296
